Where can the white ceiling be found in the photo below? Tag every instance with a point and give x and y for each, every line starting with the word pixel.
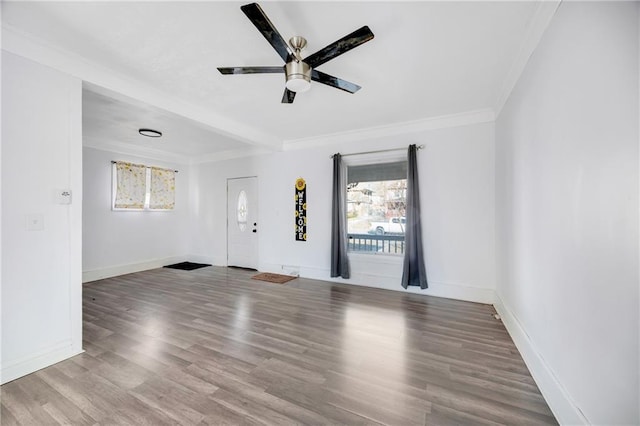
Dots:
pixel 428 59
pixel 112 121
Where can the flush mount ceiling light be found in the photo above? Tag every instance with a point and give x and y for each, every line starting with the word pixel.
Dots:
pixel 150 133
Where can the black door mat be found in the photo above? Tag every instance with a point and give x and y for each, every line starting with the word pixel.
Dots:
pixel 187 266
pixel 242 268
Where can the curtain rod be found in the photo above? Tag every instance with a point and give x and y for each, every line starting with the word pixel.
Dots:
pixel 114 162
pixel 378 151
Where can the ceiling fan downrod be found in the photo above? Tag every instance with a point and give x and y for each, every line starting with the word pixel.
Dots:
pixel 297 72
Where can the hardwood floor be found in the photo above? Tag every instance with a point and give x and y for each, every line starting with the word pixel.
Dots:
pixel 212 346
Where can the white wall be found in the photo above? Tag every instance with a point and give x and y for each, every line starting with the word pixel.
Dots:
pixel 567 213
pixel 119 242
pixel 457 191
pixel 41 269
pixel 0 222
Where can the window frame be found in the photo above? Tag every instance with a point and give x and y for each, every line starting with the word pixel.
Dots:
pixel 371 159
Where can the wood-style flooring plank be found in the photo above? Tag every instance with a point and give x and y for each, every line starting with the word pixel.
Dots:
pixel 214 347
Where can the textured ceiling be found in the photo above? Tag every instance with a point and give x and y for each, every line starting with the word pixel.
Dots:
pixel 427 59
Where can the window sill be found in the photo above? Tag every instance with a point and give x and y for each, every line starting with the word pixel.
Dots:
pixel 141 210
pixel 394 259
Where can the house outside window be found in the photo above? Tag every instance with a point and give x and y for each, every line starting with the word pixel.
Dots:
pixel 376 207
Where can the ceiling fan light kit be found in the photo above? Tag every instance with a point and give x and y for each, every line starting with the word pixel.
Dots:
pixel 298 71
pixel 298 76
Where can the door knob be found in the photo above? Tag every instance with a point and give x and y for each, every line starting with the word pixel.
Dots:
pixel 254 231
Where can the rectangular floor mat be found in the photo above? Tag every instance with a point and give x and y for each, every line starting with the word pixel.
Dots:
pixel 273 278
pixel 187 266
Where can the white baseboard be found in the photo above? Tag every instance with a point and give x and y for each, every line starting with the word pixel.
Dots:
pixel 390 282
pixel 114 271
pixel 40 360
pixel 559 400
pixel 276 268
pixel 456 291
pixel 212 260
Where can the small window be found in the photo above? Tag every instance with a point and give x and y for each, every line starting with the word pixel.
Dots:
pixel 139 187
pixel 376 207
pixel 242 210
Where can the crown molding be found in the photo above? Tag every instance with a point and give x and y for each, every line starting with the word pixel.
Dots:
pixel 403 128
pixel 137 151
pixel 545 11
pixel 28 46
pixel 170 157
pixel 434 123
pixel 229 155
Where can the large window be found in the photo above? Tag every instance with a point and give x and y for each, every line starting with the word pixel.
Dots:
pixel 376 207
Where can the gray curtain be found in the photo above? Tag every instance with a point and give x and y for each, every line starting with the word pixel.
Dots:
pixel 413 270
pixel 339 259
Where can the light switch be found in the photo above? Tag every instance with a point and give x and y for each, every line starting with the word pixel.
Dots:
pixel 35 222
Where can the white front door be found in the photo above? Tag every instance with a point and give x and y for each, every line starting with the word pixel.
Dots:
pixel 242 222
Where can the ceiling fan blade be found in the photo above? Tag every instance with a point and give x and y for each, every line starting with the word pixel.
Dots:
pixel 339 47
pixel 251 70
pixel 256 15
pixel 332 81
pixel 288 96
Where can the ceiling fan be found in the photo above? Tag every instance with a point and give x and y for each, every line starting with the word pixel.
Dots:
pixel 298 71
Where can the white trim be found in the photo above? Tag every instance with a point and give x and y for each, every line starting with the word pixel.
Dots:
pixel 23 44
pixel 458 291
pixel 355 159
pixel 38 361
pixel 377 258
pixel 229 155
pixel 562 405
pixel 545 11
pixel 441 122
pixel 211 260
pixel 638 94
pixel 75 158
pixel 116 270
pixel 1 202
pixel 137 151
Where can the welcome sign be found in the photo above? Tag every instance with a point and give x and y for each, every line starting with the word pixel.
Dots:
pixel 301 209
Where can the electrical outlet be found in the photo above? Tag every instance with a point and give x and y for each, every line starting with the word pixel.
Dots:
pixel 291 270
pixel 35 222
